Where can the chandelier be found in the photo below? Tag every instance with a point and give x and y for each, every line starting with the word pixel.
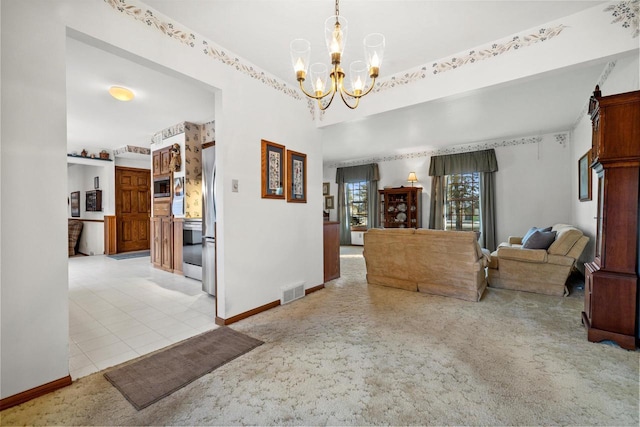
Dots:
pixel 335 31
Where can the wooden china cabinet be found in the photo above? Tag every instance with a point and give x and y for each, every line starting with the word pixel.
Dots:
pixel 400 207
pixel 611 280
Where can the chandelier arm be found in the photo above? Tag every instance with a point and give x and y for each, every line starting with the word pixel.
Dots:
pixel 342 93
pixel 313 96
pixel 330 101
pixel 373 83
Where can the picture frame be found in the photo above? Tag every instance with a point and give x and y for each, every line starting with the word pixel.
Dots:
pixel 296 177
pixel 96 183
pixel 326 187
pixel 584 177
pixel 328 203
pixel 75 204
pixel 273 170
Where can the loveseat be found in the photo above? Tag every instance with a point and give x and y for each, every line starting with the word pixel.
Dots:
pixel 543 271
pixel 447 263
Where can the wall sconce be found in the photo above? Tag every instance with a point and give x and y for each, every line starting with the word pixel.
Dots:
pixel 412 178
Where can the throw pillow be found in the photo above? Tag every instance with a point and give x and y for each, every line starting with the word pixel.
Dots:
pixel 533 230
pixel 539 240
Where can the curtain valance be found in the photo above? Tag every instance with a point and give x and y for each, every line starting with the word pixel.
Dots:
pixel 476 161
pixel 358 173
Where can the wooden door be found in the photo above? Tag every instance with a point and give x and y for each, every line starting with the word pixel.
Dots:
pixel 133 206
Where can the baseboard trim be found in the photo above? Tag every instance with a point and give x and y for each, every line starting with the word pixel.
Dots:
pixel 314 289
pixel 223 322
pixel 41 390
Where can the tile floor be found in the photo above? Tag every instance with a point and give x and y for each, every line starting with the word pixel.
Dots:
pixel 122 309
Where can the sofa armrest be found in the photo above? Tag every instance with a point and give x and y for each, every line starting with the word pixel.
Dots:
pixel 519 254
pixel 515 240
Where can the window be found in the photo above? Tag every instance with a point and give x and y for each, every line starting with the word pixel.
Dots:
pixel 462 203
pixel 357 199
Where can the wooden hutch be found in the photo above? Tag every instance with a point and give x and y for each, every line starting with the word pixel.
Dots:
pixel 611 280
pixel 400 207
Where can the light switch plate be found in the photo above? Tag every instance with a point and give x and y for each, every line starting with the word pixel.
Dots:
pixel 234 185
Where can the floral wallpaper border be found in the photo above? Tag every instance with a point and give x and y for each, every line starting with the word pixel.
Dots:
pixel 627 13
pixel 455 62
pixel 449 150
pixel 132 149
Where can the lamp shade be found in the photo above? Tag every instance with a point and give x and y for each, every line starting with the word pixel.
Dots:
pixel 335 34
pixel 412 177
pixel 374 49
pixel 300 53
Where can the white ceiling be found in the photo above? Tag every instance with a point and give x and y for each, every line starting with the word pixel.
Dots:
pixel 417 32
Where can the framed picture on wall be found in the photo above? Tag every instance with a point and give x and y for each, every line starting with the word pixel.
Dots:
pixel 75 204
pixel 328 202
pixel 325 188
pixel 273 168
pixel 584 177
pixel 296 177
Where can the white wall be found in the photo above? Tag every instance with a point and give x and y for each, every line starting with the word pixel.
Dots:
pixel 139 163
pixel 623 78
pixel 262 244
pixel 34 320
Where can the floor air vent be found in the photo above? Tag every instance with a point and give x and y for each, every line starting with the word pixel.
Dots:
pixel 291 293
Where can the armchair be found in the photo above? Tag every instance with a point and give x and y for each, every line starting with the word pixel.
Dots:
pixel 543 271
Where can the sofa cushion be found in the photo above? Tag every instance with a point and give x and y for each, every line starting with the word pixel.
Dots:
pixel 518 254
pixel 531 231
pixel 539 240
pixel 566 237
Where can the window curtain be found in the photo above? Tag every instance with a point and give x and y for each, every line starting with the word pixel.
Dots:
pixel 436 207
pixel 486 164
pixel 367 173
pixel 487 211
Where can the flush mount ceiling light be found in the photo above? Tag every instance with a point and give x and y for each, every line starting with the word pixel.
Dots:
pixel 335 31
pixel 121 93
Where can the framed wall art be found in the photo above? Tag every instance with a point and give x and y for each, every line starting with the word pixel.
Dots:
pixel 75 204
pixel 325 188
pixel 584 177
pixel 328 202
pixel 273 170
pixel 296 177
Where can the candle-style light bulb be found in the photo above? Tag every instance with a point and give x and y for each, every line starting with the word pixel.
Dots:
pixel 299 65
pixel 375 61
pixel 358 85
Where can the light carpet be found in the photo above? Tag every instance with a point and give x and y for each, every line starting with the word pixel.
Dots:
pixel 353 354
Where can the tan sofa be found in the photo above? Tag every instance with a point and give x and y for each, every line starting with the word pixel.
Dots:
pixel 447 263
pixel 537 270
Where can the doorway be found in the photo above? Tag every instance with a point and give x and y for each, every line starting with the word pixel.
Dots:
pixel 133 206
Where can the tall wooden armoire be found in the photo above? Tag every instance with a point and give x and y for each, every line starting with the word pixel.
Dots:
pixel 611 280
